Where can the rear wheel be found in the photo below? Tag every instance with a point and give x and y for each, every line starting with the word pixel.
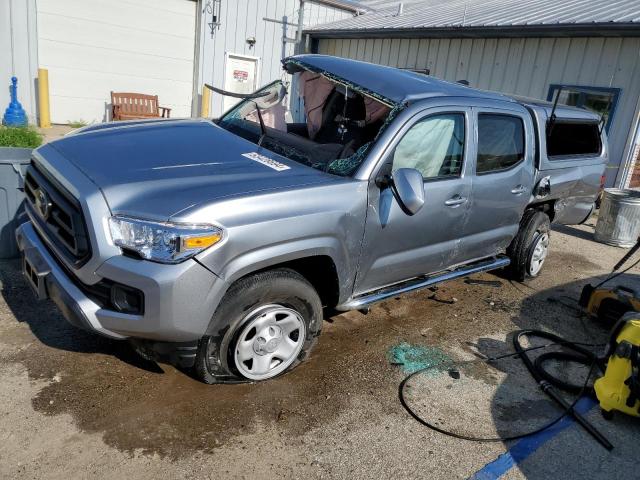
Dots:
pixel 528 251
pixel 272 321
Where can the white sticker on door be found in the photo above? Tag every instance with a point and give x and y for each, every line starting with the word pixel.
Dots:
pixel 269 162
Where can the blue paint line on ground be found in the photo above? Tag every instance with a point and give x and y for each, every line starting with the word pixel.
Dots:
pixel 528 445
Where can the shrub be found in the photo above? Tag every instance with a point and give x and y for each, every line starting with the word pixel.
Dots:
pixel 27 137
pixel 77 123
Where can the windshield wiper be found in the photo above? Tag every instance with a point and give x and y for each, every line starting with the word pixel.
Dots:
pixel 246 96
pixel 237 95
pixel 263 129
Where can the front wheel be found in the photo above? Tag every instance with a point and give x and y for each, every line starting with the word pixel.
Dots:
pixel 530 248
pixel 269 341
pixel 272 320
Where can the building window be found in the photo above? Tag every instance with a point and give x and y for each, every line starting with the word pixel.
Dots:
pixel 600 100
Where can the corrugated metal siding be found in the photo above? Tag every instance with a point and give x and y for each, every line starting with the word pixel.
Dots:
pixel 315 14
pixel 521 66
pixel 245 18
pixel 483 13
pixel 19 53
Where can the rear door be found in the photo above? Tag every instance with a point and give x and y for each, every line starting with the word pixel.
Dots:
pixel 502 180
pixel 573 154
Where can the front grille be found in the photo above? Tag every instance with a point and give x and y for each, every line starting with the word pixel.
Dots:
pixel 102 293
pixel 58 214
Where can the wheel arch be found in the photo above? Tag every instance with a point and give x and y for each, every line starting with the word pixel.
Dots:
pixel 324 267
pixel 548 208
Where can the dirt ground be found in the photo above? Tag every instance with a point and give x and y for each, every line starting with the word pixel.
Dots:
pixel 74 404
pixel 54 132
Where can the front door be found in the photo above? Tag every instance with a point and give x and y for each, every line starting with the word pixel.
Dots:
pixel 398 246
pixel 502 180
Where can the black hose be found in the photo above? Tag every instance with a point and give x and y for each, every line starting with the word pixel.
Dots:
pixel 580 354
pixel 520 352
pixel 614 275
pixel 619 265
pixel 549 389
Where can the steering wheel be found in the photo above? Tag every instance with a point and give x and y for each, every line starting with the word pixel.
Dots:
pixel 347 150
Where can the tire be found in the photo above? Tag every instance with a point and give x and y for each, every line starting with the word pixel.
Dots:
pixel 525 248
pixel 273 317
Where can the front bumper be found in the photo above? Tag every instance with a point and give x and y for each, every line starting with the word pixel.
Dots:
pixel 179 299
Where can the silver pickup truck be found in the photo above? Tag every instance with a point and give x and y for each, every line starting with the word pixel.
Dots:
pixel 217 245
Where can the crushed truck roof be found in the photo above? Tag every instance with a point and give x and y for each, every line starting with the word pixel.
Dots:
pixel 398 86
pixel 394 84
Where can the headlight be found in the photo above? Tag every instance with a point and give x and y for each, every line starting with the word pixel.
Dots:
pixel 162 242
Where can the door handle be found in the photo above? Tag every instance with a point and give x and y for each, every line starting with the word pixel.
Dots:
pixel 518 190
pixel 455 201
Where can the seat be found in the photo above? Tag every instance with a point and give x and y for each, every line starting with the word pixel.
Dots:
pixel 129 106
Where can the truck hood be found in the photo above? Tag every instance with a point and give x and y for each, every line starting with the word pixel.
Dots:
pixel 159 168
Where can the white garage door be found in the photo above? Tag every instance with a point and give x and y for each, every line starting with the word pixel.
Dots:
pixel 93 47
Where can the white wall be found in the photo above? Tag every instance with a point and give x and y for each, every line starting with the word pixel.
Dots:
pixel 19 53
pixel 523 66
pixel 93 47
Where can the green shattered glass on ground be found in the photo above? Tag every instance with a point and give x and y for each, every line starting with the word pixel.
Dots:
pixel 417 357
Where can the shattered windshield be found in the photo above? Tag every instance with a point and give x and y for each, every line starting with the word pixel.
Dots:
pixel 269 100
pixel 332 128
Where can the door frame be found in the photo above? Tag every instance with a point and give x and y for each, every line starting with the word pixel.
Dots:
pixel 527 164
pixel 395 136
pixel 415 117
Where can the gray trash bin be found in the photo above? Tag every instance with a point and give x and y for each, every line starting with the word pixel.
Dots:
pixel 13 164
pixel 619 218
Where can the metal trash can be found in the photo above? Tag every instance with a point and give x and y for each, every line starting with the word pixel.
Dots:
pixel 13 165
pixel 619 218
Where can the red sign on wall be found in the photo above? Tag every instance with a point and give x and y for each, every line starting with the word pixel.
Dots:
pixel 240 75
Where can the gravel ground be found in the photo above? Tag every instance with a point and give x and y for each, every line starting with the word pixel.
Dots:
pixel 77 405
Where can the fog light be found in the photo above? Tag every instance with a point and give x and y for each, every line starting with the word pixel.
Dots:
pixel 127 300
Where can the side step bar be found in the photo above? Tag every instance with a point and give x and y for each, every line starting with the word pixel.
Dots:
pixel 365 300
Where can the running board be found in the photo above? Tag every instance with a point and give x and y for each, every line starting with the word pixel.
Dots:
pixel 376 296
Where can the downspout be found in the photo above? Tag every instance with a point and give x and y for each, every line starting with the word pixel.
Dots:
pixel 296 49
pixel 198 55
pixel 298 37
pixel 625 169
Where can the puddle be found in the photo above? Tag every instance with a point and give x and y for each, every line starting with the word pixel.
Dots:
pixel 139 406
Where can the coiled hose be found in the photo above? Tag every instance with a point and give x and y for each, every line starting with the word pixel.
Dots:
pixel 545 380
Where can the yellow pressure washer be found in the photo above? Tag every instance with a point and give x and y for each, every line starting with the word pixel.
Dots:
pixel 619 388
pixel 610 304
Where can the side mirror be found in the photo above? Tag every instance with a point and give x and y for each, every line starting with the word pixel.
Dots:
pixel 407 186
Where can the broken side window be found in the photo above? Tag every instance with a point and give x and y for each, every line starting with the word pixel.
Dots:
pixel 573 139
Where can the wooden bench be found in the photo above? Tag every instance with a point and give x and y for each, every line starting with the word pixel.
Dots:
pixel 127 106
